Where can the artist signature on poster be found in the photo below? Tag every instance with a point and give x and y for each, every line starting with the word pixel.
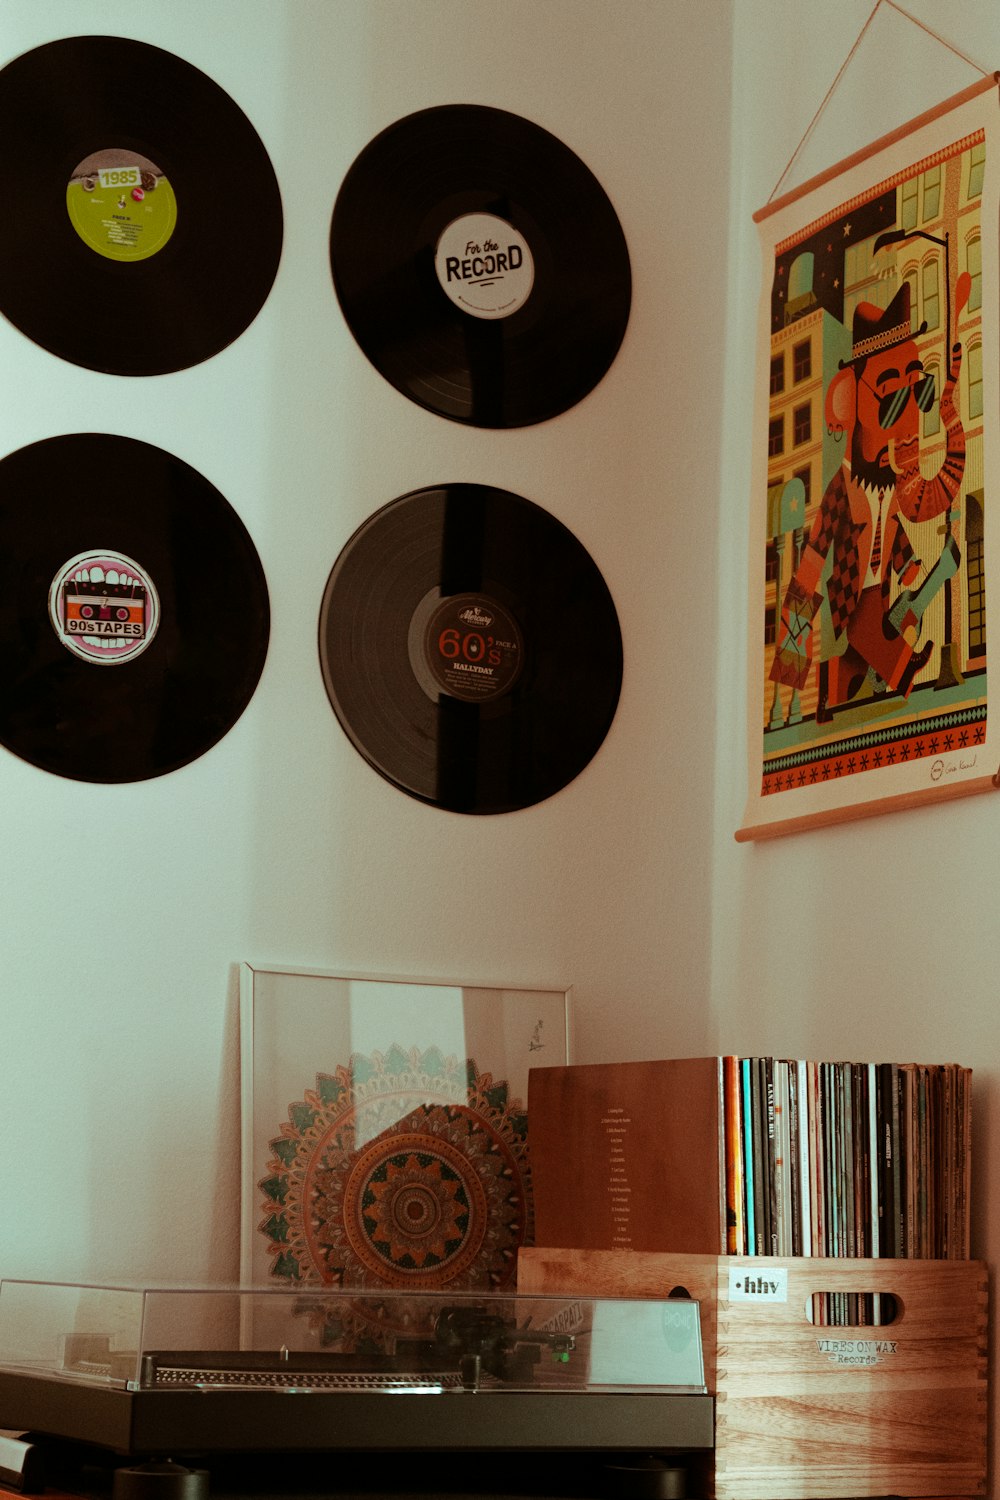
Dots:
pixel 942 768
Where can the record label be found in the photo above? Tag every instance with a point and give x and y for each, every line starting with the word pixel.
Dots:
pixel 143 221
pixel 104 608
pixel 125 661
pixel 473 648
pixel 470 648
pixel 480 266
pixel 121 205
pixel 485 266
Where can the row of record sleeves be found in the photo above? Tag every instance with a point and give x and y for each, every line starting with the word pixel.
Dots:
pixel 847 1158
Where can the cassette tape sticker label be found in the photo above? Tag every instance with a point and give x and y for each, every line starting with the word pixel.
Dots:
pixel 484 266
pixel 121 205
pixel 104 608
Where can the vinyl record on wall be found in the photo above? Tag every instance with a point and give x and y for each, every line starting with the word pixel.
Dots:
pixel 134 612
pixel 480 265
pixel 142 226
pixel 470 648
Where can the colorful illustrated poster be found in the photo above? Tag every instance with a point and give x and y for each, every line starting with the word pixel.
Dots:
pixel 874 478
pixel 385 1130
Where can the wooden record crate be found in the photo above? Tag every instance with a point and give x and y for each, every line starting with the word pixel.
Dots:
pixel 811 1412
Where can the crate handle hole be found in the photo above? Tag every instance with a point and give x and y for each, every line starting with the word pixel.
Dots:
pixel 853 1309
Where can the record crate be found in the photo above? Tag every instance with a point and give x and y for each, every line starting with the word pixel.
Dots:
pixel 810 1411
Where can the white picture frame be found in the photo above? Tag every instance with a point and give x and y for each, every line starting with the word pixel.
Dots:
pixel 384 1128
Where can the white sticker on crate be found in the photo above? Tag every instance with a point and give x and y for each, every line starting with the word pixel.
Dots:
pixel 750 1283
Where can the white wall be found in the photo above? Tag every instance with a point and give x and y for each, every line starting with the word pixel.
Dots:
pixel 118 1034
pixel 118 1062
pixel 873 939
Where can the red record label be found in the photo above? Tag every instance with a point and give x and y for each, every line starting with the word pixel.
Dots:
pixel 473 647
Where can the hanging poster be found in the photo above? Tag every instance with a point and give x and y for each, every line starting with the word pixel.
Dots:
pixel 385 1129
pixel 875 478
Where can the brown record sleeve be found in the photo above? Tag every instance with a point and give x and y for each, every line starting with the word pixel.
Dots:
pixel 629 1156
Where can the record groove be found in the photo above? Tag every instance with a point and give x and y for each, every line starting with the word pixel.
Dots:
pixel 134 613
pixel 480 266
pixel 470 648
pixel 144 225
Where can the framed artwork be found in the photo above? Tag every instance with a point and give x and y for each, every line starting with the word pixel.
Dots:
pixel 875 473
pixel 385 1139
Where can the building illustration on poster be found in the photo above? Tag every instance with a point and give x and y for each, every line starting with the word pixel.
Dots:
pixel 875 590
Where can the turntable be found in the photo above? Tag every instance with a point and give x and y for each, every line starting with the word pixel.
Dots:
pixel 209 1374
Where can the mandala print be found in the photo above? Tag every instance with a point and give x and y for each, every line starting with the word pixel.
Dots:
pixel 406 1170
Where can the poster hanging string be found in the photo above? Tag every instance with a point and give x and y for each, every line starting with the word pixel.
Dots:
pixel 934 35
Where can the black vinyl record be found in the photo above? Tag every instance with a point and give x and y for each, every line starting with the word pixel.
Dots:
pixel 142 225
pixel 470 648
pixel 134 612
pixel 480 266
